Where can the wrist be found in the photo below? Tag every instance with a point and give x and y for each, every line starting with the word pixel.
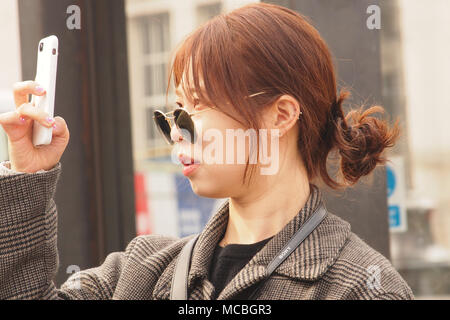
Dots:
pixel 12 167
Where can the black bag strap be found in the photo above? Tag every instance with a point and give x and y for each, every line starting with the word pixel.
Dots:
pixel 178 291
pixel 310 224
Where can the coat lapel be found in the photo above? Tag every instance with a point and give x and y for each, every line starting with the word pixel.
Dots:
pixel 308 262
pixel 199 288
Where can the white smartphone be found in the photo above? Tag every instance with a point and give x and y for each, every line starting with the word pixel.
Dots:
pixel 47 61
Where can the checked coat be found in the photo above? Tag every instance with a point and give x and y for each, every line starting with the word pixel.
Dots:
pixel 331 263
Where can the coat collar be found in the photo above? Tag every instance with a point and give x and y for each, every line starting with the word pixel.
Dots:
pixel 308 262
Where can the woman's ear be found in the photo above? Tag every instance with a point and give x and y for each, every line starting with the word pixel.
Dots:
pixel 284 114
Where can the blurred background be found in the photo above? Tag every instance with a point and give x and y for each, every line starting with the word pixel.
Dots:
pixel 118 180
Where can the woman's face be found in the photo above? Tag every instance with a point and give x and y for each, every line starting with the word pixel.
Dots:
pixel 221 164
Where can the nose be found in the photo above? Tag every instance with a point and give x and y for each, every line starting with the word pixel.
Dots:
pixel 175 134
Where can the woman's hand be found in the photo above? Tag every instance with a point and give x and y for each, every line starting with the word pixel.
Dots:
pixel 18 125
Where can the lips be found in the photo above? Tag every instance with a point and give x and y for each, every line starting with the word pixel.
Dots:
pixel 190 164
pixel 186 160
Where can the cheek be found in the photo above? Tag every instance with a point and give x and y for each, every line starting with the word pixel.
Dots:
pixel 222 140
pixel 218 176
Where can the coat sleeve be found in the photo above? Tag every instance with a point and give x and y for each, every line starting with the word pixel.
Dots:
pixel 28 244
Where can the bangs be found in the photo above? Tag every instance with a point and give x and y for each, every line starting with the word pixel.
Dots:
pixel 210 70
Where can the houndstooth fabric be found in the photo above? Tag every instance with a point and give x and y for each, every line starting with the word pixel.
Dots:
pixel 331 263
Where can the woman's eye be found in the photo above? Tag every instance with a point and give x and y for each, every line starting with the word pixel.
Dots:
pixel 196 103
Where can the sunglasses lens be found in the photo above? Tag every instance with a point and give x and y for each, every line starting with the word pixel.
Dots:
pixel 185 124
pixel 163 126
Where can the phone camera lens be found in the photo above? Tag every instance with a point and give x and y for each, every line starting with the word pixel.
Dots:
pixel 41 46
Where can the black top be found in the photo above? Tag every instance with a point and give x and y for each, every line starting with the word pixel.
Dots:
pixel 228 261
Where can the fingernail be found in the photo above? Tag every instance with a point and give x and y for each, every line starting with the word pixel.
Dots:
pixel 39 89
pixel 50 119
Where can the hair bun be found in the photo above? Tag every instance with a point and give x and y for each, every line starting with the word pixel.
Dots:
pixel 362 144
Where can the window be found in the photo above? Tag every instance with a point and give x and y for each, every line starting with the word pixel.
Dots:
pixel 155 39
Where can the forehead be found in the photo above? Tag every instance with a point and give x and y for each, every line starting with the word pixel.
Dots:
pixel 180 92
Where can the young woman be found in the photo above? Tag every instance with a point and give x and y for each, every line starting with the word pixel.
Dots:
pixel 260 67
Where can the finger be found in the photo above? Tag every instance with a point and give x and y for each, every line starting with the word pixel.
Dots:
pixel 23 89
pixel 28 111
pixel 60 128
pixel 10 118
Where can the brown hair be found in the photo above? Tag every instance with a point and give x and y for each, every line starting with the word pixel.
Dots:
pixel 265 47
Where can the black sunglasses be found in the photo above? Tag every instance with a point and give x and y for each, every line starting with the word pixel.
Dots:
pixel 182 120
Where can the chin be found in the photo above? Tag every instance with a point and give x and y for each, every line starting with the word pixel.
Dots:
pixel 216 181
pixel 210 187
pixel 208 190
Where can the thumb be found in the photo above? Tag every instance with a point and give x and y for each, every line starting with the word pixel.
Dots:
pixel 60 129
